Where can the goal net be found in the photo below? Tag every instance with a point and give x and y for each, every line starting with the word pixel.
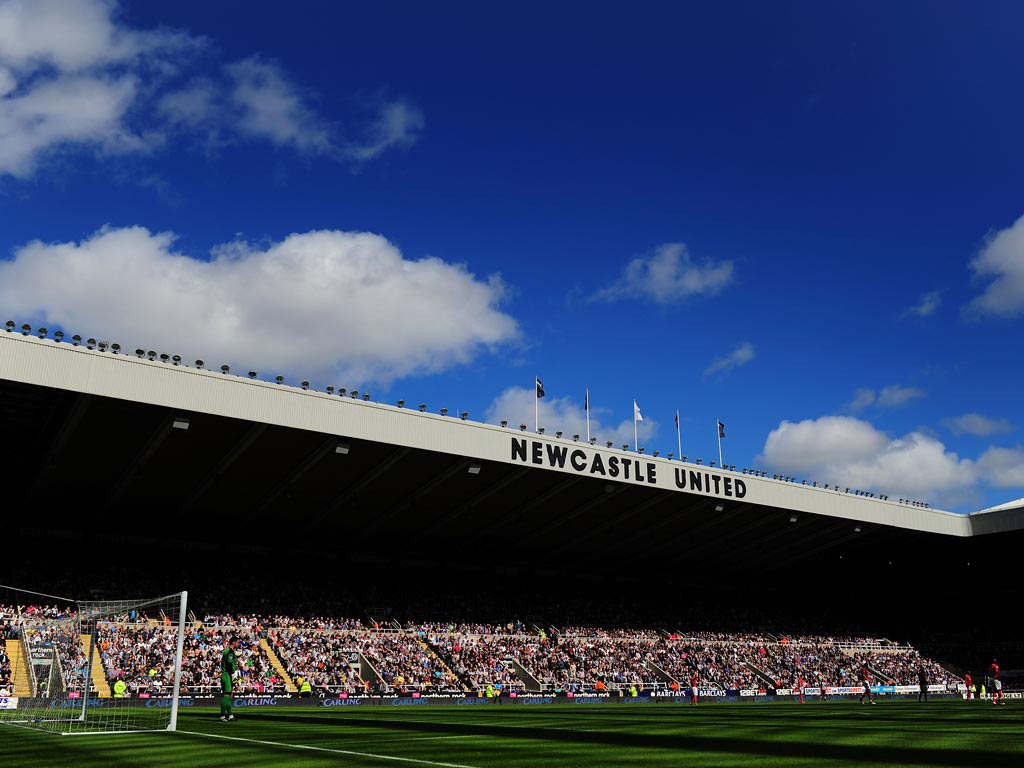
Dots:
pixel 91 666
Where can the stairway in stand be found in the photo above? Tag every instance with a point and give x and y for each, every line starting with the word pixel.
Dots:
pixel 19 672
pixel 275 662
pixel 99 676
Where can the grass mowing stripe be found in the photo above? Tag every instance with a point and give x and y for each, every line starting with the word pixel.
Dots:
pixel 351 752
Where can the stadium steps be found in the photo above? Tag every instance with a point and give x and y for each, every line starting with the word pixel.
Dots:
pixel 532 683
pixel 98 676
pixel 433 652
pixel 19 670
pixel 289 684
pixel 660 673
pixel 761 675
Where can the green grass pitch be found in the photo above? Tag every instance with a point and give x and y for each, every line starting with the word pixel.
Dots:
pixel 904 733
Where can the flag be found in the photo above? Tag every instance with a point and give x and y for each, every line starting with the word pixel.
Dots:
pixel 677 420
pixel 586 401
pixel 721 429
pixel 540 388
pixel 636 412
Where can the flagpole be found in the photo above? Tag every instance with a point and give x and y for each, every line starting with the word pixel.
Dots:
pixel 636 442
pixel 718 429
pixel 536 404
pixel 679 437
pixel 586 407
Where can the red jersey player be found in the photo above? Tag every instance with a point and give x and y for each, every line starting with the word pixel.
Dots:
pixel 997 684
pixel 970 685
pixel 694 680
pixel 865 680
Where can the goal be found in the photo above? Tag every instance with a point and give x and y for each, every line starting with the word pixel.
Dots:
pixel 91 666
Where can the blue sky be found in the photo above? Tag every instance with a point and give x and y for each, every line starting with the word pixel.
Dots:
pixel 803 219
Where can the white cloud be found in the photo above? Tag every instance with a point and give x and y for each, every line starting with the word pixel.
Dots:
pixel 743 354
pixel 70 77
pixel 61 111
pixel 565 414
pixel 851 452
pixel 398 124
pixel 892 396
pixel 1003 467
pixel 666 276
pixel 926 306
pixel 1002 261
pixel 978 425
pixel 862 398
pixel 74 76
pixel 268 106
pixel 70 35
pixel 895 396
pixel 194 106
pixel 344 308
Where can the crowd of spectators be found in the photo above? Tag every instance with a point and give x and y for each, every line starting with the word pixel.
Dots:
pixel 335 654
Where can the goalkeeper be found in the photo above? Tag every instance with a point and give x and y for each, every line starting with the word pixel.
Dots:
pixel 228 671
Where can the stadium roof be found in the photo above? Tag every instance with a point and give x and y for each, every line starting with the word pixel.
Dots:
pixel 175 447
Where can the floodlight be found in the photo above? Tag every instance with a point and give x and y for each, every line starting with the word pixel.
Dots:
pixel 176 359
pixel 366 395
pixel 540 430
pixel 719 507
pixel 342 448
pixel 9 325
pixel 279 379
pixel 199 363
pixel 792 518
pixel 253 374
pixel 26 329
pixel 42 333
pixel 115 347
pixel 444 411
pixel 305 384
pixel 474 469
pixel 464 415
pixel 609 444
pixel 593 441
pixel 180 422
pixel 330 390
pixel 91 343
pixel 164 357
pixel 225 368
pixel 58 335
pixel 504 422
pixel 423 407
pixel 522 427
pixel 655 453
pixel 401 403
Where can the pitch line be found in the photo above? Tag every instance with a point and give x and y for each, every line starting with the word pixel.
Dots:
pixel 371 755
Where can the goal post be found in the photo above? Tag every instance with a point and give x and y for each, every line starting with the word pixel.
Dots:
pixel 93 666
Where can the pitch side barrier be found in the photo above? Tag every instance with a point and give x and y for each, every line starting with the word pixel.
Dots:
pixel 704 696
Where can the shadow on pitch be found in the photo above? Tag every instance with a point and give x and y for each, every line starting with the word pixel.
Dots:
pixel 682 742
